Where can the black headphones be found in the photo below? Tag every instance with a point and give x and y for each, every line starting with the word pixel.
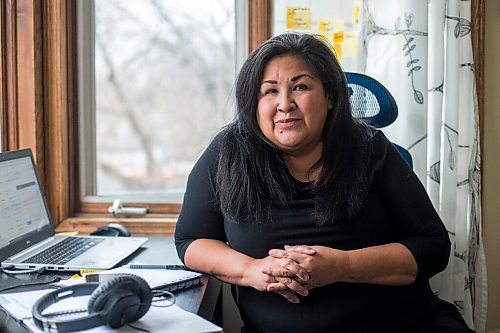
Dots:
pixel 116 302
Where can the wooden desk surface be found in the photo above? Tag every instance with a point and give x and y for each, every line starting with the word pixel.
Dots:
pixel 201 300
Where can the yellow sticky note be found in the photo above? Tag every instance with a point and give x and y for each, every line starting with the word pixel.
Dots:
pixel 299 18
pixel 338 36
pixel 325 29
pixel 67 233
pixel 338 25
pixel 350 45
pixel 356 11
pixel 337 30
pixel 337 49
pixel 84 272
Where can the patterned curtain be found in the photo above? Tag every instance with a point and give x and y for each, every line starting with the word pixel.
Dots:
pixel 422 52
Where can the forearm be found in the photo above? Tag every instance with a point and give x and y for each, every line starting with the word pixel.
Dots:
pixel 217 259
pixel 390 264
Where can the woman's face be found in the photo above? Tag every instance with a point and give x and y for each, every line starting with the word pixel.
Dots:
pixel 292 105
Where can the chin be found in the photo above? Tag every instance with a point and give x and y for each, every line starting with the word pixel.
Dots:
pixel 288 146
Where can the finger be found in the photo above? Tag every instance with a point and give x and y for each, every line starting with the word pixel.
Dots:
pixel 297 270
pixel 277 286
pixel 289 296
pixel 269 279
pixel 294 286
pixel 278 253
pixel 301 249
pixel 286 268
pixel 298 255
pixel 295 263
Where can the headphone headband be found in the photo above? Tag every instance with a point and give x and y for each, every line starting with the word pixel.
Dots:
pixel 69 325
pixel 122 299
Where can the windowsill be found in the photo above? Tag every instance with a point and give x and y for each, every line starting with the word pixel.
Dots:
pixel 138 226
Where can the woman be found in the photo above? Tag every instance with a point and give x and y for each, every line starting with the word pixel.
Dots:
pixel 313 217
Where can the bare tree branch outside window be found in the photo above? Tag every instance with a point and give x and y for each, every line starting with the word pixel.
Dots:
pixel 164 79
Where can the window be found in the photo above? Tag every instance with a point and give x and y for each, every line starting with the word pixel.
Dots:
pixel 41 84
pixel 160 87
pixel 38 75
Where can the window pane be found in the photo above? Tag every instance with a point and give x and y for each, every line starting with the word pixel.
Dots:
pixel 164 72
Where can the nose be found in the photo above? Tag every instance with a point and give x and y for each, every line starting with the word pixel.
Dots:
pixel 286 103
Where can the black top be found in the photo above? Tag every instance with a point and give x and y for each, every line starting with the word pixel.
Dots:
pixel 397 209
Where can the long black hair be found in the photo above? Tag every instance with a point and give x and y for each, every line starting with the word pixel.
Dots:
pixel 252 174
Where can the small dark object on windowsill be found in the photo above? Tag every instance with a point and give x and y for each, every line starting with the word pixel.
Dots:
pixel 112 229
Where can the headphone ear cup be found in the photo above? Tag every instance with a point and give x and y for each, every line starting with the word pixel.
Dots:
pixel 145 295
pixel 121 300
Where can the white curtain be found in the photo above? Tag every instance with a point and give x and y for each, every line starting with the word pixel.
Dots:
pixel 422 52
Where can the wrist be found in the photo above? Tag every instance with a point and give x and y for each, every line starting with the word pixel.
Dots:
pixel 246 268
pixel 343 268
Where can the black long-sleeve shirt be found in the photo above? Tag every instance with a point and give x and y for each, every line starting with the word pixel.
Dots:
pixel 397 209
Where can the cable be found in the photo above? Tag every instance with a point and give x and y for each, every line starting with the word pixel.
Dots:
pixel 161 298
pixel 28 284
pixel 7 316
pixel 3 324
pixel 138 328
pixel 161 294
pixel 22 271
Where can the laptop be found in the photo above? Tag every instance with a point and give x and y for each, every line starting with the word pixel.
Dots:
pixel 27 237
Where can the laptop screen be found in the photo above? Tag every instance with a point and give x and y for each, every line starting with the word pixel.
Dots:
pixel 23 211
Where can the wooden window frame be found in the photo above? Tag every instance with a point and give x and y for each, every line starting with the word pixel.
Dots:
pixel 38 99
pixel 38 96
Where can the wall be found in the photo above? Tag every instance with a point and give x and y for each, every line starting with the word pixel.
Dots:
pixel 491 161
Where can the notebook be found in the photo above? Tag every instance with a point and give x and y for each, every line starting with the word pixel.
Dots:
pixel 27 238
pixel 161 279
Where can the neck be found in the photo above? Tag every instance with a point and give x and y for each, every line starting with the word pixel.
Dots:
pixel 300 165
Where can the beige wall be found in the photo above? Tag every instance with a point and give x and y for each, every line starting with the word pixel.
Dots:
pixel 491 161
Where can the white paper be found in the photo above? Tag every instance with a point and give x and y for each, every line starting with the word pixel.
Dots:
pixel 157 319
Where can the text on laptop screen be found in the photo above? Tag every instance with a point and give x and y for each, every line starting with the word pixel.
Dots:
pixel 22 208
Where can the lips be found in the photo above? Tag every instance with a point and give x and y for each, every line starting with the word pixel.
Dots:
pixel 287 121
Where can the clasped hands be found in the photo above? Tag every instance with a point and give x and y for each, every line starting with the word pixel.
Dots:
pixel 295 270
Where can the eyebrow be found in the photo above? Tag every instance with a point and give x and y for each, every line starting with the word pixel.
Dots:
pixel 295 78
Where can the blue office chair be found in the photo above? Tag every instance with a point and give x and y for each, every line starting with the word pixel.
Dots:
pixel 373 103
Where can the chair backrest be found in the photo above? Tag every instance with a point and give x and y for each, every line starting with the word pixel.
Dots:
pixel 373 103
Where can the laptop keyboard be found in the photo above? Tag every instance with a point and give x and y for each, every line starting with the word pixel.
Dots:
pixel 64 251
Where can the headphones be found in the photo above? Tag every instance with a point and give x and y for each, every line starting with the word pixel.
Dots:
pixel 120 300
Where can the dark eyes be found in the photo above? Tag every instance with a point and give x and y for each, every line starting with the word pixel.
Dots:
pixel 270 91
pixel 298 87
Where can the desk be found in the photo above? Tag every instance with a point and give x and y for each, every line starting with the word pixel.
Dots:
pixel 201 300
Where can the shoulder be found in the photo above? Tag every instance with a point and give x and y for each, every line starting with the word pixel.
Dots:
pixel 218 145
pixel 208 159
pixel 369 136
pixel 385 161
pixel 376 137
pixel 378 144
pixel 226 136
